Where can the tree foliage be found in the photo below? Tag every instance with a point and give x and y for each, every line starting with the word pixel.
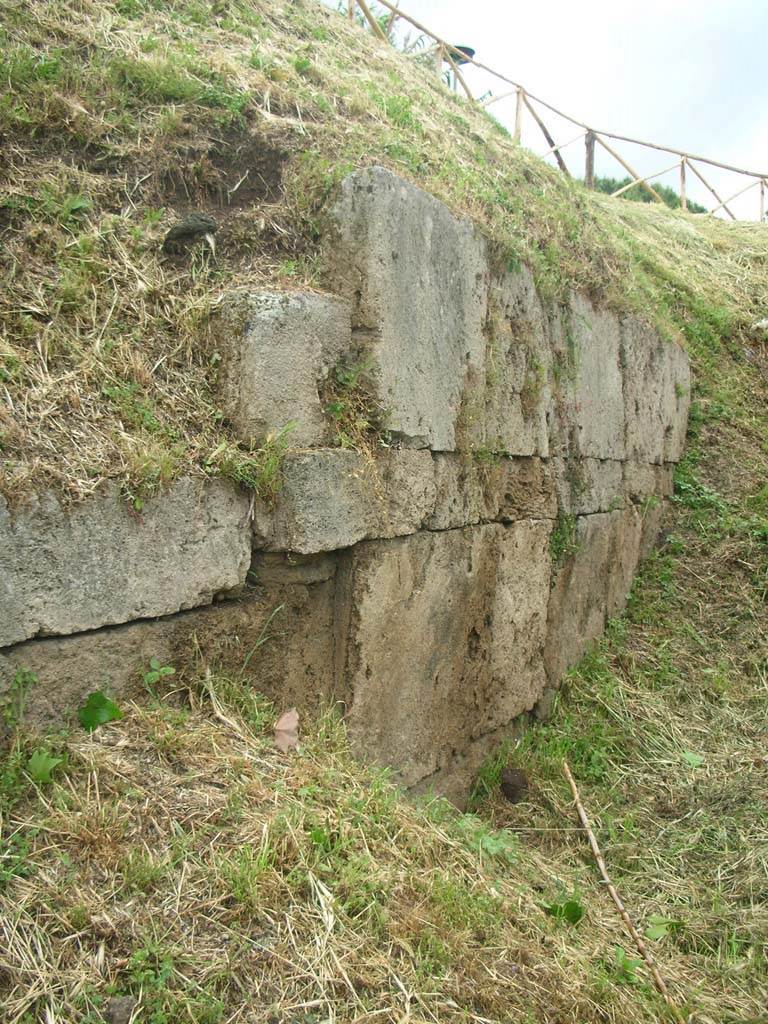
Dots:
pixel 639 195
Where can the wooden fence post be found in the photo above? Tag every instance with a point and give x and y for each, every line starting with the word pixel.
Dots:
pixel 439 59
pixel 351 9
pixel 703 180
pixel 629 169
pixel 762 199
pixel 518 117
pixel 376 28
pixel 547 136
pixel 589 173
pixel 683 197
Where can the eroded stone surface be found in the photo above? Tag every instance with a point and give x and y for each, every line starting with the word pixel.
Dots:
pixel 277 350
pixel 517 379
pixel 585 486
pixel 443 639
pixel 418 280
pixel 657 385
pixel 587 405
pixel 333 498
pixel 593 583
pixel 65 570
pixel 473 490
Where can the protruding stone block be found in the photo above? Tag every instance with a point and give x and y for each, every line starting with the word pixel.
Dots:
pixel 443 639
pixel 65 570
pixel 333 498
pixel 657 386
pixel 277 350
pixel 418 279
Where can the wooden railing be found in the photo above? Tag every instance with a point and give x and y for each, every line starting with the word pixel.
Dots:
pixel 447 56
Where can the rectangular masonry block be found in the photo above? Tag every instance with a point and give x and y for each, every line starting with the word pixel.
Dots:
pixel 276 352
pixel 65 570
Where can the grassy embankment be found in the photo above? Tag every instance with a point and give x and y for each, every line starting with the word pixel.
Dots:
pixel 174 855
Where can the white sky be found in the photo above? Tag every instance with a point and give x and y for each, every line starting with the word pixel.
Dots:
pixel 692 74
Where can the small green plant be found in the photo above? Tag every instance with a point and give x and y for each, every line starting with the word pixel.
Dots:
pixel 563 541
pixel 141 871
pixel 352 403
pixel 40 766
pixel 260 469
pixel 135 410
pixel 15 702
pixel 659 927
pixel 693 759
pixel 98 710
pixel 155 673
pixel 625 967
pixel 568 908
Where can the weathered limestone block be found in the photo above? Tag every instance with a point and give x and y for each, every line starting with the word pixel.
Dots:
pixel 516 392
pixel 528 490
pixel 587 413
pixel 644 479
pixel 293 666
pixel 472 490
pixel 65 570
pixel 594 582
pixel 418 278
pixel 585 485
pixel 657 386
pixel 277 350
pixel 441 639
pixel 333 498
pixel 466 494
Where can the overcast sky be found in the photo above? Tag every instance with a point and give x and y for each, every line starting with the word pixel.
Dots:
pixel 692 74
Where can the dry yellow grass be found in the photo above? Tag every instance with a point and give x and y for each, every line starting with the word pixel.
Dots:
pixel 118 118
pixel 176 856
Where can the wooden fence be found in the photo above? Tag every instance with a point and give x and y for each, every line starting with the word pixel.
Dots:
pixel 449 56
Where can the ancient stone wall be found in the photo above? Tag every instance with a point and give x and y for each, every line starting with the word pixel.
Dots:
pixel 438 577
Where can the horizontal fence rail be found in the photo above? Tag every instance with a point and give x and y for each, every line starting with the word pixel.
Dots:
pixel 452 58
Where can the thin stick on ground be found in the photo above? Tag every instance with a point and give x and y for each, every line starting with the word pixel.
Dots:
pixel 629 923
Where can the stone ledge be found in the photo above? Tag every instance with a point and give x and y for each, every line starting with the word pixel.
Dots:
pixel 333 498
pixel 221 635
pixel 98 563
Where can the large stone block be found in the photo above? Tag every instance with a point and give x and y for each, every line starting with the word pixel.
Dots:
pixel 418 279
pixel 587 406
pixel 473 490
pixel 277 350
pixel 279 636
pixel 586 485
pixel 657 386
pixel 516 393
pixel 442 638
pixel 594 582
pixel 97 563
pixel 643 480
pixel 333 498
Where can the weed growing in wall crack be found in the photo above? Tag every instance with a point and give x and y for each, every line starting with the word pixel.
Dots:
pixel 258 470
pixel 353 406
pixel 563 541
